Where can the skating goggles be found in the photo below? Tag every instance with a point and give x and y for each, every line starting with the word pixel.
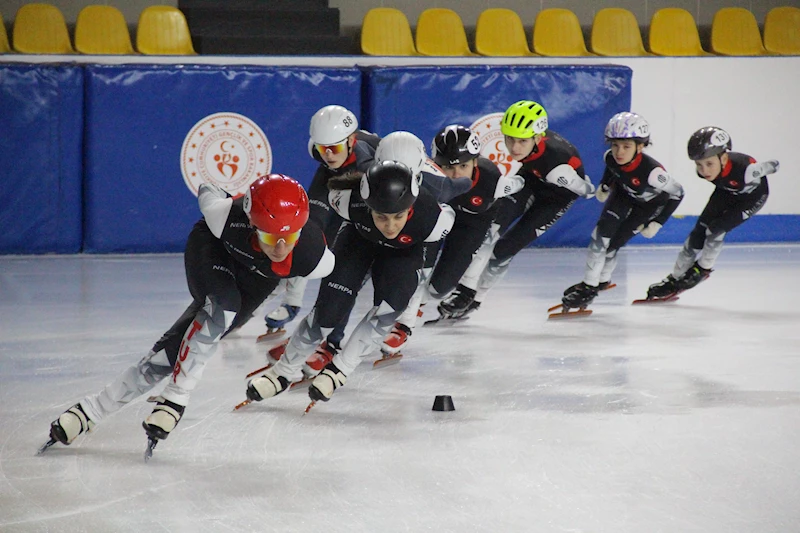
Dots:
pixel 271 239
pixel 337 148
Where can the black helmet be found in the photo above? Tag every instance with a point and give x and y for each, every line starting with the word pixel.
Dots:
pixel 707 142
pixel 455 144
pixel 389 187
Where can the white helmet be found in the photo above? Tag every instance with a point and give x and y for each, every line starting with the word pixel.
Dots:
pixel 628 126
pixel 331 125
pixel 404 147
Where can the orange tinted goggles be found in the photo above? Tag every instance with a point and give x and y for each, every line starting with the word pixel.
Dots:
pixel 271 239
pixel 334 148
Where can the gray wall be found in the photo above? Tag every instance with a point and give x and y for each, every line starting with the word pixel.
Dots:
pixel 353 11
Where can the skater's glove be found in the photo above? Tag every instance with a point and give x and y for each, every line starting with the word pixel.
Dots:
pixel 649 231
pixel 602 193
pixel 769 167
pixel 214 189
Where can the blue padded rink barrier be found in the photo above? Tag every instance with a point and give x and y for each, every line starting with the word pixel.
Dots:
pixel 681 417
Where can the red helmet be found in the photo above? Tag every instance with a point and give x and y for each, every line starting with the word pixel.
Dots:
pixel 276 204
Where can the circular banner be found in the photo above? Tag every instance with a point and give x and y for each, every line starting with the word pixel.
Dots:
pixel 226 149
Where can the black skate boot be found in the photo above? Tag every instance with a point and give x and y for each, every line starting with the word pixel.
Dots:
pixel 579 296
pixel 458 302
pixel 473 306
pixel 693 277
pixel 664 289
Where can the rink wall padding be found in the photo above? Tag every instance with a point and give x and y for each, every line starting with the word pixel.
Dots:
pixel 41 135
pixel 91 154
pixel 579 101
pixel 137 118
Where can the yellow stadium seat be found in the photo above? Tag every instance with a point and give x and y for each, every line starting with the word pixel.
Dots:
pixel 557 32
pixel 499 32
pixel 162 30
pixel 41 29
pixel 102 29
pixel 734 32
pixel 782 31
pixel 440 32
pixel 615 32
pixel 673 32
pixel 385 32
pixel 4 46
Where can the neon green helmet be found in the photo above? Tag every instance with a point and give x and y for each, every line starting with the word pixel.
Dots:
pixel 524 119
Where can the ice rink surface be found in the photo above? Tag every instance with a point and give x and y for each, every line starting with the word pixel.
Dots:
pixel 681 417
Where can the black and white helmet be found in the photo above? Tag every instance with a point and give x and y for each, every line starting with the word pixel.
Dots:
pixel 707 142
pixel 455 144
pixel 389 187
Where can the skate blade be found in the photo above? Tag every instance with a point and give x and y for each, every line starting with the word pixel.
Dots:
pixel 148 452
pixel 310 406
pixel 611 286
pixel 258 371
pixel 569 314
pixel 555 308
pixel 45 446
pixel 280 332
pixel 442 321
pixel 388 359
pixel 242 404
pixel 656 300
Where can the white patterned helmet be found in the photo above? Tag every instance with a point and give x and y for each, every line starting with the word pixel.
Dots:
pixel 628 126
pixel 403 147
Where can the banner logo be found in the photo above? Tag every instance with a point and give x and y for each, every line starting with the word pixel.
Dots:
pixel 226 149
pixel 493 147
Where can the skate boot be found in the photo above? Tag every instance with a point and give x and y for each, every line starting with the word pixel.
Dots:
pixel 70 424
pixel 324 385
pixel 319 359
pixel 693 277
pixel 163 419
pixel 277 319
pixel 396 339
pixel 457 303
pixel 579 296
pixel 266 385
pixel 664 289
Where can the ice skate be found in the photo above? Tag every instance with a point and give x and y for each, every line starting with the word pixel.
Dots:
pixel 266 385
pixel 665 290
pixel 575 301
pixel 457 303
pixel 456 306
pixel 277 319
pixel 67 427
pixel 160 423
pixel 326 383
pixel 390 348
pixel 693 277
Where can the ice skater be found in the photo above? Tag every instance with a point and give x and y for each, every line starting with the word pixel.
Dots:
pixel 741 190
pixel 554 179
pixel 639 196
pixel 340 147
pixel 389 221
pixel 456 150
pixel 235 256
